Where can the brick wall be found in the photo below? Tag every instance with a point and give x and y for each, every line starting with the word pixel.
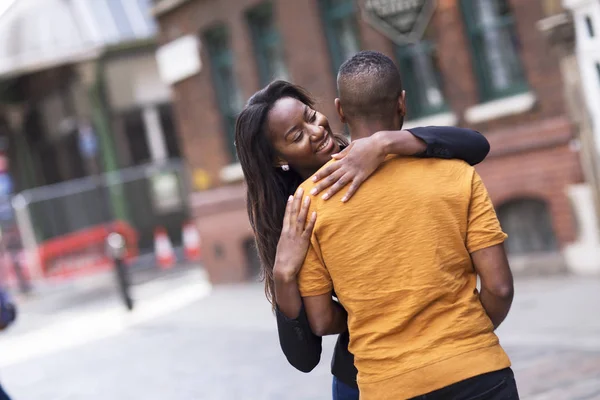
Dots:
pixel 531 155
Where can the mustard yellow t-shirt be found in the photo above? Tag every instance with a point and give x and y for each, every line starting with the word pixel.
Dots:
pixel 398 255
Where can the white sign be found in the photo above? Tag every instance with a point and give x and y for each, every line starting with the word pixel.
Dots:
pixel 179 59
pixel 166 195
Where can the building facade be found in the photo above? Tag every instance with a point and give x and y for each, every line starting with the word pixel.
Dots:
pixel 482 64
pixel 88 124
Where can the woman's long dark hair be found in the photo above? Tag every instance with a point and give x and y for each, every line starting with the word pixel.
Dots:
pixel 268 187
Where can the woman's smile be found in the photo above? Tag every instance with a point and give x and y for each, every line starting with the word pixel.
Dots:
pixel 325 145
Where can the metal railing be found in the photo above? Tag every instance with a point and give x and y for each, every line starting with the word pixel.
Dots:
pixel 64 221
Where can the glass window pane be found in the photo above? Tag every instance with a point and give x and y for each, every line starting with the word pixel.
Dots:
pixel 500 58
pixel 274 60
pixel 346 36
pixel 230 93
pixel 421 78
pixel 495 47
pixel 223 72
pixel 268 45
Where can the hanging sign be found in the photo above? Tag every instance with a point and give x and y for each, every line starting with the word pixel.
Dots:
pixel 403 21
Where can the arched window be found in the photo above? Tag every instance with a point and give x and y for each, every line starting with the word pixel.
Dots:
pixel 421 77
pixel 528 225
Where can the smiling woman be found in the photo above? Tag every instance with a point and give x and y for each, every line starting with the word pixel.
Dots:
pixel 300 136
pixel 277 128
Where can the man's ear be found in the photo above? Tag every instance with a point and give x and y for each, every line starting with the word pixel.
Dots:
pixel 338 107
pixel 402 104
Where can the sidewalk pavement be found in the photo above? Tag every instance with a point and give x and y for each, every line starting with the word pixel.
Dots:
pixel 184 344
pixel 47 303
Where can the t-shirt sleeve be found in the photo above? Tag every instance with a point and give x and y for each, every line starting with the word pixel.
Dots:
pixel 314 279
pixel 483 229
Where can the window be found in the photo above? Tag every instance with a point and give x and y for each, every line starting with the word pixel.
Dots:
pixel 135 132
pixel 267 44
pixel 528 225
pixel 421 79
pixel 491 31
pixel 223 77
pixel 165 113
pixel 341 30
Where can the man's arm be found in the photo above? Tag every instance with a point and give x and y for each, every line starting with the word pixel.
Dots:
pixel 325 315
pixel 485 244
pixel 497 290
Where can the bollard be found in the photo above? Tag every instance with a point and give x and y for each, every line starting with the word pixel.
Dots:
pixel 116 249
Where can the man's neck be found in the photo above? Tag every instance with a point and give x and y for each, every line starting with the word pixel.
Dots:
pixel 363 129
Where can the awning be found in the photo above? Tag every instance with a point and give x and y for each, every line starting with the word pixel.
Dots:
pixel 40 34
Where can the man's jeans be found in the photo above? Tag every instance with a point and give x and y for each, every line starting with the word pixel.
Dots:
pixel 341 391
pixel 498 385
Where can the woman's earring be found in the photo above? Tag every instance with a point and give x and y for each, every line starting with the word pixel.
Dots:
pixel 285 167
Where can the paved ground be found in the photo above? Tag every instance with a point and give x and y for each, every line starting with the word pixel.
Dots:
pixel 184 342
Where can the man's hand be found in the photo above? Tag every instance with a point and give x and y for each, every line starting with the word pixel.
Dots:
pixel 497 289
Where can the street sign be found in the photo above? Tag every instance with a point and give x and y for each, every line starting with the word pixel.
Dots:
pixel 403 21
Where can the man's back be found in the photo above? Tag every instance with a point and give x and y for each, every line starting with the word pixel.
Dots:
pixel 398 255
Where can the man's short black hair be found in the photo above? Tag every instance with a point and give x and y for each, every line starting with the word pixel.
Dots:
pixel 369 86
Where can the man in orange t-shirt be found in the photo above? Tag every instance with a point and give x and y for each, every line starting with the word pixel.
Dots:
pixel 404 255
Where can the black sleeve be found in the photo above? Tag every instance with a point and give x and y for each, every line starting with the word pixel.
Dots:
pixel 301 347
pixel 450 142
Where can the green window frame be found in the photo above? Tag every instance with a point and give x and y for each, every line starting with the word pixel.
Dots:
pixel 268 46
pixel 421 79
pixel 490 27
pixel 341 30
pixel 223 76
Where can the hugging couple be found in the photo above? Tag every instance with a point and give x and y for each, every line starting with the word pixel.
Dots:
pixel 391 267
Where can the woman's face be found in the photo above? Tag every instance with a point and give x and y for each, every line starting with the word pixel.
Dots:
pixel 301 136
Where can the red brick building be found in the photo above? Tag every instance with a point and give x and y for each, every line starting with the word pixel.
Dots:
pixel 481 64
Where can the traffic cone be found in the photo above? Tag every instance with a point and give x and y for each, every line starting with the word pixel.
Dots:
pixel 191 241
pixel 165 256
